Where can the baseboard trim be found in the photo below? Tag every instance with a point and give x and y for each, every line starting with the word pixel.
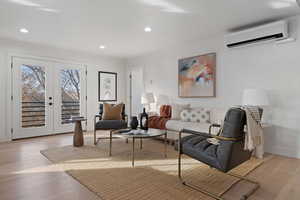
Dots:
pixel 288 152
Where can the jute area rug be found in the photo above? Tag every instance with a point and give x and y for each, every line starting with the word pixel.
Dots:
pixel 153 177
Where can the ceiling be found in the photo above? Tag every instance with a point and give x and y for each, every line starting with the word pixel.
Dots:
pixel 119 24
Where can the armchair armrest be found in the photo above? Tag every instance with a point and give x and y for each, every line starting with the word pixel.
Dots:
pixel 95 119
pixel 213 125
pixel 196 133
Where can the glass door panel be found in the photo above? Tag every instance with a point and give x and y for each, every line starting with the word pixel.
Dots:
pixel 70 96
pixel 32 114
pixel 33 96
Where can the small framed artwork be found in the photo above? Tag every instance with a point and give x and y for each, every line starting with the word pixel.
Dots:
pixel 107 89
pixel 197 76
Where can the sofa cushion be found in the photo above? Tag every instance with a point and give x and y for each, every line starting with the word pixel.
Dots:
pixel 200 115
pixel 177 109
pixel 110 124
pixel 177 125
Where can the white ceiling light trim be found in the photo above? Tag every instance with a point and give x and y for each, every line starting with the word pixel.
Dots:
pixel 24 30
pixel 102 47
pixel 147 29
pixel 164 5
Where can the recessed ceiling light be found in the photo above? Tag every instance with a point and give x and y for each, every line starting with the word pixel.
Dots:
pixel 24 30
pixel 147 29
pixel 102 47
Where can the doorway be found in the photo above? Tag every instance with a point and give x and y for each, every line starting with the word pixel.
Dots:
pixel 136 91
pixel 45 95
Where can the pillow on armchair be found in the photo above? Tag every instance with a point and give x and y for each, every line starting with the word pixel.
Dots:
pixel 112 111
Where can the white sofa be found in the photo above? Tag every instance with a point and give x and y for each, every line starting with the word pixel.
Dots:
pixel 217 116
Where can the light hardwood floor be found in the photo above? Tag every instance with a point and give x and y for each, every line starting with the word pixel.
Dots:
pixel 279 176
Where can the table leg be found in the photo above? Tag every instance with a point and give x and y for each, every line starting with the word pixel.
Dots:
pixel 78 135
pixel 110 142
pixel 133 140
pixel 141 143
pixel 165 141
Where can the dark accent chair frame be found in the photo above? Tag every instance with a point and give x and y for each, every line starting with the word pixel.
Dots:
pixel 231 154
pixel 111 128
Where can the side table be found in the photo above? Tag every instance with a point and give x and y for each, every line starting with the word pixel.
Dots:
pixel 78 140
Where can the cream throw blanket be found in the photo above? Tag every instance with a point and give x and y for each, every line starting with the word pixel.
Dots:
pixel 254 140
pixel 254 132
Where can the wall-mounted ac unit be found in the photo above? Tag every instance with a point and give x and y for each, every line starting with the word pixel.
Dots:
pixel 270 32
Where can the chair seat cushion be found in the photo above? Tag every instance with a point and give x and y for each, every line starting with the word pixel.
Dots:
pixel 111 124
pixel 199 148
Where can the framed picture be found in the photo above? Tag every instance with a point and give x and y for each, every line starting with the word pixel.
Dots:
pixel 107 90
pixel 197 76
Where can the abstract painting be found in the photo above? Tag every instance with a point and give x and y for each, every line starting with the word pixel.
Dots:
pixel 197 76
pixel 107 86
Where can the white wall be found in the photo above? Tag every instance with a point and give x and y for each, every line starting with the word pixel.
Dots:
pixel 2 99
pixel 94 64
pixel 275 68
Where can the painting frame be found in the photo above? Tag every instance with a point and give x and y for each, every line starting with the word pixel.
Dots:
pixel 112 75
pixel 213 76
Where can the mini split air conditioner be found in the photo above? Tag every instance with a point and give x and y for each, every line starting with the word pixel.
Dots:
pixel 270 32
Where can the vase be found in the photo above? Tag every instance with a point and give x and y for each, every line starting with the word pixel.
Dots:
pixel 144 120
pixel 134 122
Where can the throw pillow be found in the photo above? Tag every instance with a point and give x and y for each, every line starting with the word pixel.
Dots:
pixel 112 111
pixel 200 115
pixel 177 109
pixel 165 111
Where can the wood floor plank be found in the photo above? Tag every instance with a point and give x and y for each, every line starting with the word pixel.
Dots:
pixel 279 176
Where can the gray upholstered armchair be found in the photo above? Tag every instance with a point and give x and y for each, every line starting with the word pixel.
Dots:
pixel 110 125
pixel 226 155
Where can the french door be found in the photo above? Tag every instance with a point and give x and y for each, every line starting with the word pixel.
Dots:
pixel 45 96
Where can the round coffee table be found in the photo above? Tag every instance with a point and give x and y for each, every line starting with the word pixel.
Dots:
pixel 140 134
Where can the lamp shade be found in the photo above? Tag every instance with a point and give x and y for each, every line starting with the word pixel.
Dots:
pixel 162 99
pixel 147 98
pixel 255 97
